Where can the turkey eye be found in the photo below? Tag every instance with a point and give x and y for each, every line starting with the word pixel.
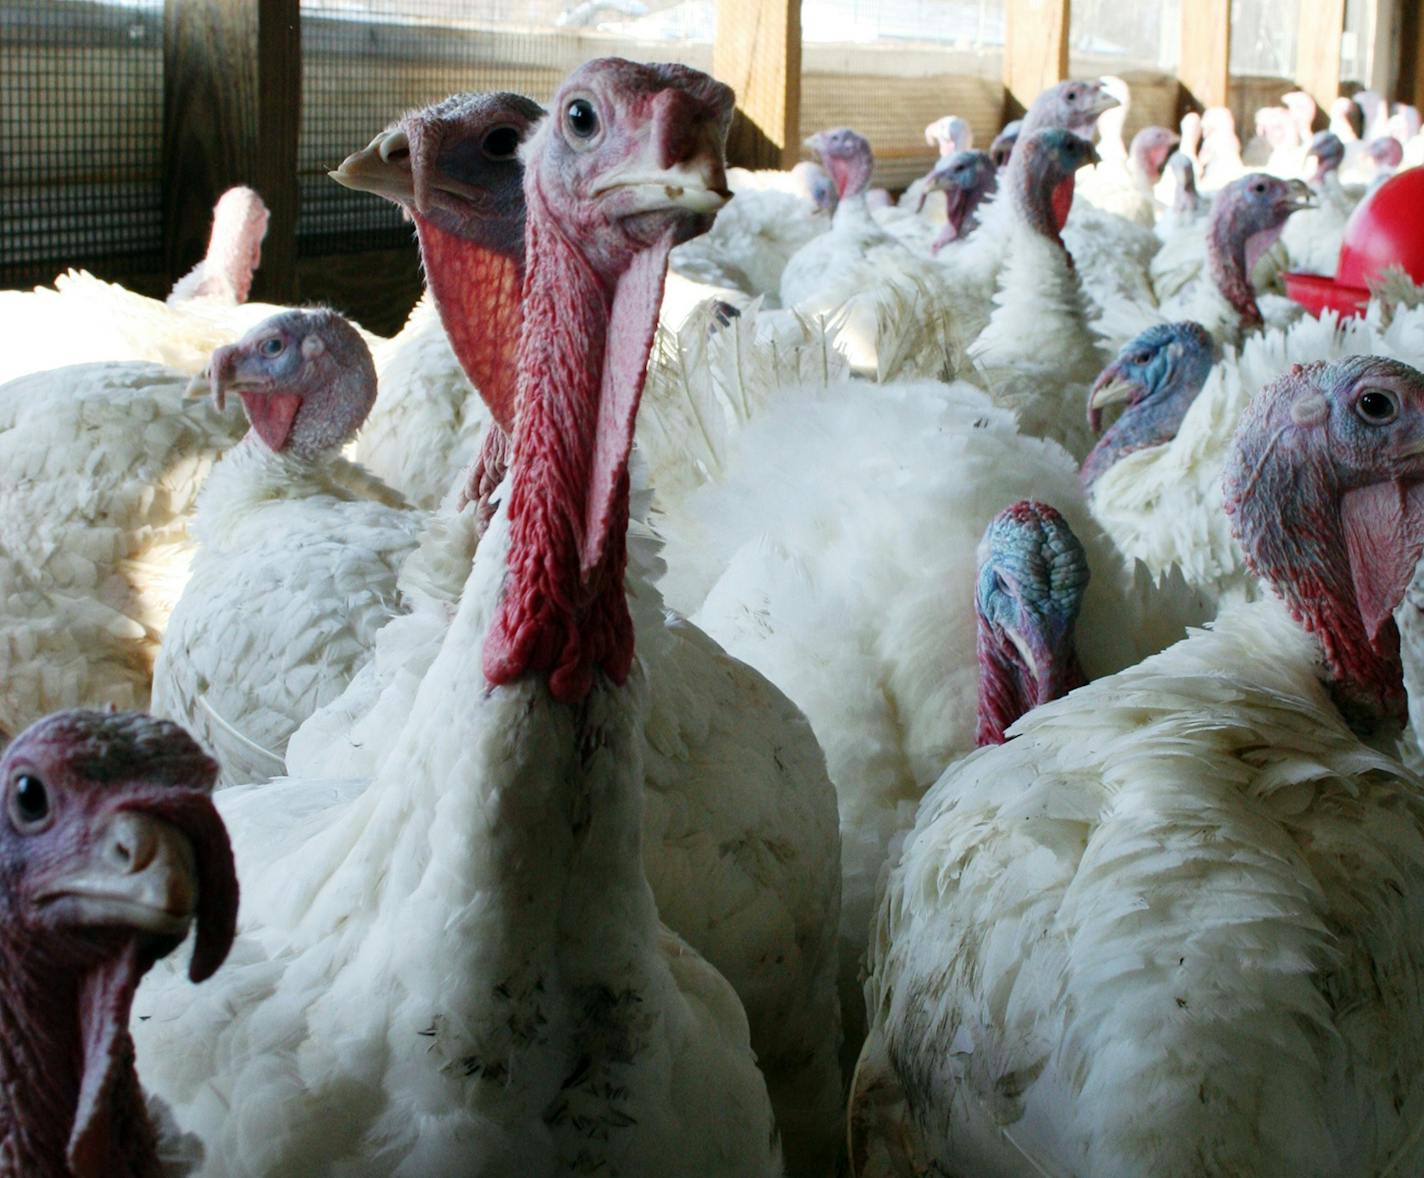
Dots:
pixel 271 346
pixel 1377 407
pixel 29 800
pixel 581 118
pixel 501 143
pixel 1258 188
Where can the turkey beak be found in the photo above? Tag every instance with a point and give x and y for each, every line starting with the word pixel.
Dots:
pixel 1299 196
pixel 1102 103
pixel 382 167
pixel 139 873
pixel 1111 388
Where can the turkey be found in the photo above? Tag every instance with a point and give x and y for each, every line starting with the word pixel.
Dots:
pixel 459 963
pixel 1127 187
pixel 1220 155
pixel 1042 375
pixel 1247 217
pixel 736 788
pixel 112 850
pixel 298 549
pixel 1156 376
pixel 951 136
pixel 1147 935
pixel 1072 105
pixel 100 468
pixel 964 179
pixel 1312 237
pixel 1002 148
pixel 86 320
pixel 429 421
pixel 853 509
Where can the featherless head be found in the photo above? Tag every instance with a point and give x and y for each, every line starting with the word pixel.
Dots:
pixel 1275 125
pixel 1157 375
pixel 1301 108
pixel 455 163
pixel 1404 121
pixel 847 156
pixel 1246 220
pixel 1072 105
pixel 110 850
pixel 1218 120
pixel 1041 177
pixel 1347 119
pixel 1328 153
pixel 817 186
pixel 1325 487
pixel 1191 131
pixel 1150 148
pixel 1184 173
pixel 235 246
pixel 1386 152
pixel 305 378
pixel 1002 149
pixel 630 152
pixel 950 134
pixel 965 178
pixel 1032 577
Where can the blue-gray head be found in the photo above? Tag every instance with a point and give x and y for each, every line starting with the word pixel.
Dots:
pixel 847 156
pixel 1328 153
pixel 1157 376
pixel 965 178
pixel 1032 577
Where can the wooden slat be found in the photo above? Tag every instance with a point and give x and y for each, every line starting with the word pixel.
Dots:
pixel 232 102
pixel 1205 69
pixel 758 54
pixel 1409 62
pixel 1317 49
pixel 1035 50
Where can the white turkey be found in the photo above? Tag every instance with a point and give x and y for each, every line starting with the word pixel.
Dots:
pixel 1312 236
pixel 458 965
pixel 298 549
pixel 100 468
pixel 1173 926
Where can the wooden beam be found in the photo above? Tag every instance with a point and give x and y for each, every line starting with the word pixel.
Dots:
pixel 231 107
pixel 1409 50
pixel 1317 49
pixel 1383 75
pixel 758 53
pixel 1205 67
pixel 1035 50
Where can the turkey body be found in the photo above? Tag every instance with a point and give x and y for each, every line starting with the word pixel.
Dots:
pixel 1196 864
pixel 102 465
pixel 294 576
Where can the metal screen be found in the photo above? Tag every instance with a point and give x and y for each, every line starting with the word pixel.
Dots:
pixel 81 129
pixel 1263 36
pixel 365 62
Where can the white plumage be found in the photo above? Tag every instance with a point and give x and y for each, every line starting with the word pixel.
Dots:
pixel 1172 927
pixel 295 573
pixel 102 464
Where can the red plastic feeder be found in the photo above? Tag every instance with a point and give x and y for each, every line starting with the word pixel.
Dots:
pixel 1383 231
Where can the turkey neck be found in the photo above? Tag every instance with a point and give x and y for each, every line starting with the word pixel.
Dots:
pixel 563 610
pixel 46 1049
pixel 1226 247
pixel 1307 566
pixel 1139 427
pixel 1008 689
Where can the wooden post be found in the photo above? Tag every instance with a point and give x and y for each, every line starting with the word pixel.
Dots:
pixel 1317 49
pixel 758 53
pixel 1205 68
pixel 1384 66
pixel 1035 50
pixel 231 106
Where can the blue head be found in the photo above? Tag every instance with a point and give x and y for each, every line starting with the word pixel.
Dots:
pixel 1157 376
pixel 965 178
pixel 1032 576
pixel 847 156
pixel 1328 153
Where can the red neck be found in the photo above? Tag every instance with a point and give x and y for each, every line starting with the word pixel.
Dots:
pixel 563 610
pixel 1229 271
pixel 1308 566
pixel 477 293
pixel 55 1026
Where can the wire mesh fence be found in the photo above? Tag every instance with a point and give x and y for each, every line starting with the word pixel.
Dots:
pixel 81 134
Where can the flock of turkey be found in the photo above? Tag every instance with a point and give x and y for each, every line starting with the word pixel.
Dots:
pixel 959 724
